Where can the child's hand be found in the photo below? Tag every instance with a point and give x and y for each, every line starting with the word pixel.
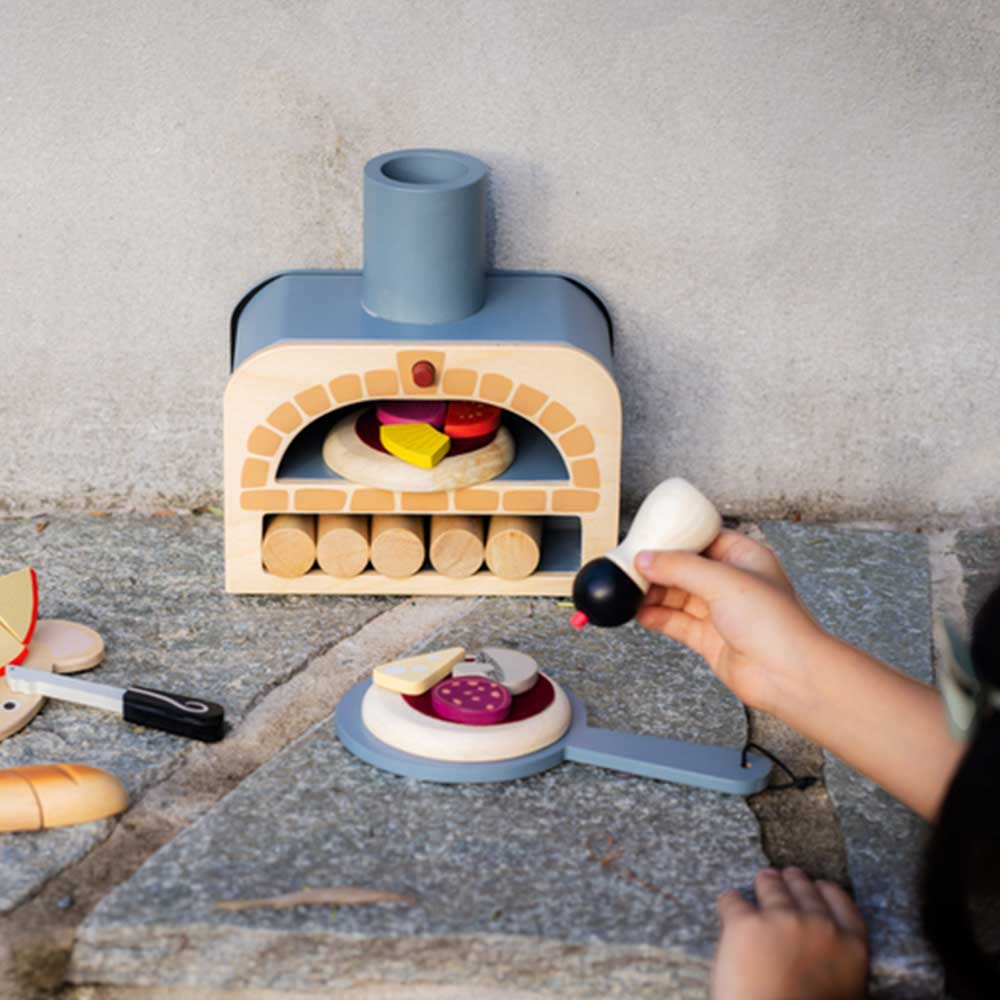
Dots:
pixel 736 607
pixel 804 940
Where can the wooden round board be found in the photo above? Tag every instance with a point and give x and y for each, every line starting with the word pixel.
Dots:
pixel 16 709
pixel 74 647
pixel 347 455
pixel 720 769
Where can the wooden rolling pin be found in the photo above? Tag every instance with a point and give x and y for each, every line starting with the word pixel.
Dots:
pixel 342 544
pixel 41 796
pixel 397 544
pixel 456 544
pixel 289 547
pixel 514 546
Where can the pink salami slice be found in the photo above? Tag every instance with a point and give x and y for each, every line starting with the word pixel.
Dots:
pixel 474 701
pixel 405 411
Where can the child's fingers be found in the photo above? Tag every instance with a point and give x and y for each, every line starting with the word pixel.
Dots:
pixel 686 571
pixel 732 906
pixel 842 907
pixel 804 891
pixel 675 624
pixel 772 893
pixel 742 552
pixel 674 597
pixel 692 604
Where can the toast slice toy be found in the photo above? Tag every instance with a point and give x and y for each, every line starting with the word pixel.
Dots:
pixel 18 610
pixel 19 603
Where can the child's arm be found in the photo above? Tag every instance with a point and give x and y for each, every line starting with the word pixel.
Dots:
pixel 737 608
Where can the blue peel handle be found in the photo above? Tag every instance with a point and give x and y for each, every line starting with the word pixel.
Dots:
pixel 718 769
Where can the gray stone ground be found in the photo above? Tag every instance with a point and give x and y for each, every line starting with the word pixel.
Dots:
pixel 872 588
pixel 979 552
pixel 578 882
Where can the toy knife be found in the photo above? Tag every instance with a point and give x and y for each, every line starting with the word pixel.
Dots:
pixel 172 713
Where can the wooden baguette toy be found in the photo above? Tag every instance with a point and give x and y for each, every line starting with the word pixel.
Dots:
pixel 42 796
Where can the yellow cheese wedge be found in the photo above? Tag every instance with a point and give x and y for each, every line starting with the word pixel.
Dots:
pixel 19 604
pixel 417 674
pixel 418 444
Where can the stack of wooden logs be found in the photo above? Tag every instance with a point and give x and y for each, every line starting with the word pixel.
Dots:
pixel 396 545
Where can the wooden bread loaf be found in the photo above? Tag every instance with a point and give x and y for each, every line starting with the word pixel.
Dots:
pixel 40 796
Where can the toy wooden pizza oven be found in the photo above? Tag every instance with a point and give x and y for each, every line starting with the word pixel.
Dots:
pixel 423 426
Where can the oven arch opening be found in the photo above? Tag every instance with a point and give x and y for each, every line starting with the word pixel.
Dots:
pixel 536 458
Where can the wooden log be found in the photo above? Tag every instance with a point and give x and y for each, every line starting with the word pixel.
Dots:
pixel 514 546
pixel 456 544
pixel 397 544
pixel 289 547
pixel 342 544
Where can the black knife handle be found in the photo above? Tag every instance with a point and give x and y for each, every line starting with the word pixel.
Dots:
pixel 174 713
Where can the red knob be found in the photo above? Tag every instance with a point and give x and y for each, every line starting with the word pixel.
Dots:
pixel 423 373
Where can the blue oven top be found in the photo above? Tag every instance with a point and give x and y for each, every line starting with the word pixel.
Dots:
pixel 521 306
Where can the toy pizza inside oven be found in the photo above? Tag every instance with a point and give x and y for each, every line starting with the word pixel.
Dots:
pixel 421 426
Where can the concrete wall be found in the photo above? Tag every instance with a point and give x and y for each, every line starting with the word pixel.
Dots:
pixel 791 208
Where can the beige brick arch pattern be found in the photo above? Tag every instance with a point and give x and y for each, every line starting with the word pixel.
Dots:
pixel 269 439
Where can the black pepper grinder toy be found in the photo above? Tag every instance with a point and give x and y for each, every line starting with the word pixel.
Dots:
pixel 675 516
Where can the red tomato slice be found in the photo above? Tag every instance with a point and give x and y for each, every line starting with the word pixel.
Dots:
pixel 466 419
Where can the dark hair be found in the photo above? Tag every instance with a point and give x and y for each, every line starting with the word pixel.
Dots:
pixel 961 879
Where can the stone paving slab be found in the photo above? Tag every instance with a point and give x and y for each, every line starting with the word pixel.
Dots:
pixel 872 588
pixel 978 554
pixel 153 587
pixel 510 887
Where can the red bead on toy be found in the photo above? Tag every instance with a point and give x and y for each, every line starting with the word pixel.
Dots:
pixel 474 701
